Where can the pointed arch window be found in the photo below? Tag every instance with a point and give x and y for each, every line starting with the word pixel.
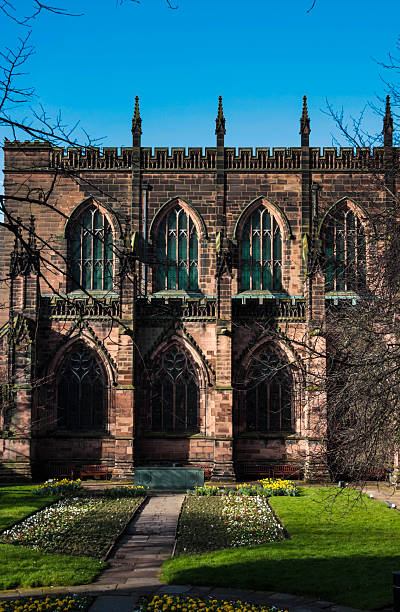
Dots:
pixel 81 393
pixel 177 252
pixel 345 251
pixel 261 252
pixel 90 251
pixel 175 394
pixel 268 398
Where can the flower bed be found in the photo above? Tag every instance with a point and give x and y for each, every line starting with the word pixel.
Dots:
pixel 213 522
pixel 167 603
pixel 48 604
pixel 267 487
pixel 83 526
pixel 58 487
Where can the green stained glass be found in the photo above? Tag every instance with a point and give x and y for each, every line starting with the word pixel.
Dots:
pixel 329 270
pixel 98 275
pixel 87 219
pixel 172 277
pixel 246 243
pixel 267 280
pixel 256 276
pixel 245 277
pixel 267 247
pixel 172 220
pixel 256 248
pixel 171 252
pixel 87 246
pixel 161 277
pixel 277 243
pixel 98 221
pixel 182 247
pixel 182 221
pixel 98 247
pixel 87 275
pixel 108 276
pixel 161 241
pixel 277 277
pixel 91 251
pixel 255 220
pixel 182 278
pixel 193 280
pixel 266 221
pixel 193 246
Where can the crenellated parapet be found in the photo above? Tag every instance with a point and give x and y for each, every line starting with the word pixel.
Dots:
pixel 36 155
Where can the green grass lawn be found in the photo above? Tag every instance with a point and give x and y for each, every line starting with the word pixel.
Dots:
pixel 343 552
pixel 17 502
pixel 24 567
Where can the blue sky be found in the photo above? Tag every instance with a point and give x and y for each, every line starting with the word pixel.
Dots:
pixel 261 56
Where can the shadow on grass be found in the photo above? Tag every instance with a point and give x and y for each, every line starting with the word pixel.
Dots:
pixel 358 582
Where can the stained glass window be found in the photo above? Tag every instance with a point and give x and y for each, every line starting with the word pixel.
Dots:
pixel 345 253
pixel 177 252
pixel 91 251
pixel 81 393
pixel 268 398
pixel 174 394
pixel 261 252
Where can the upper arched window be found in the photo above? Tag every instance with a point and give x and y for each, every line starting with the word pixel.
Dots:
pixel 268 403
pixel 261 252
pixel 345 252
pixel 177 252
pixel 90 251
pixel 175 394
pixel 81 392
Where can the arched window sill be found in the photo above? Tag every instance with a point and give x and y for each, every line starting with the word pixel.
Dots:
pixel 264 294
pixel 262 435
pixel 166 435
pixel 78 293
pixel 336 296
pixel 171 293
pixel 61 434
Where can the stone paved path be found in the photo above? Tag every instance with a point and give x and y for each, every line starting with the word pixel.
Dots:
pixel 135 564
pixel 148 542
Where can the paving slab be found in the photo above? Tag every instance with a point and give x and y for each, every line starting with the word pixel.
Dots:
pixel 114 603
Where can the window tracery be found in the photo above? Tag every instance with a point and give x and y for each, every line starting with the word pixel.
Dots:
pixel 261 252
pixel 268 397
pixel 175 394
pixel 345 251
pixel 81 392
pixel 90 251
pixel 177 252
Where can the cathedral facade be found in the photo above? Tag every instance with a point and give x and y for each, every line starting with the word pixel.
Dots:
pixel 167 307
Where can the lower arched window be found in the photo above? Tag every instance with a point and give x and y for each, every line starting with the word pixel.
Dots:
pixel 82 392
pixel 174 394
pixel 268 397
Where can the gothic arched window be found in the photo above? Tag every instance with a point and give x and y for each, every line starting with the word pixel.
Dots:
pixel 261 252
pixel 175 394
pixel 90 251
pixel 345 252
pixel 82 392
pixel 177 252
pixel 268 398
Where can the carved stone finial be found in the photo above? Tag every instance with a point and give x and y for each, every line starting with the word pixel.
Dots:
pixel 220 120
pixel 388 119
pixel 305 119
pixel 32 234
pixel 137 120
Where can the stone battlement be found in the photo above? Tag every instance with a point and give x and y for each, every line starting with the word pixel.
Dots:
pixel 192 158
